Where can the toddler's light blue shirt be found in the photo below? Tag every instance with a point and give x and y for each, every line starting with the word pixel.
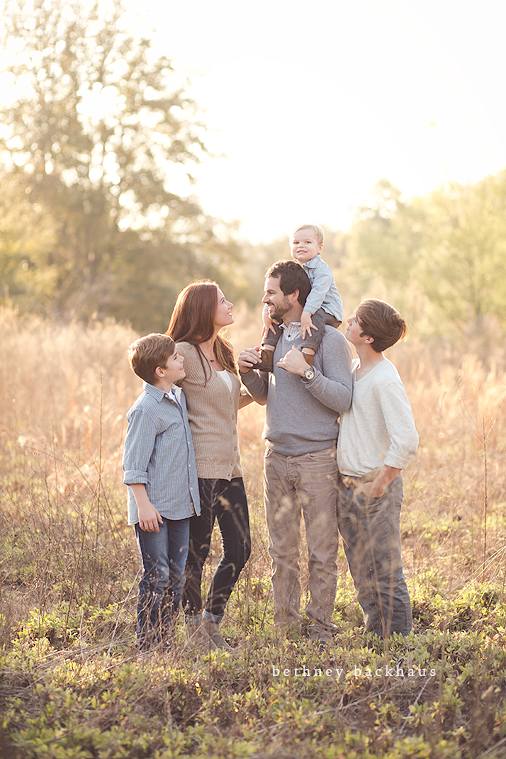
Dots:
pixel 324 292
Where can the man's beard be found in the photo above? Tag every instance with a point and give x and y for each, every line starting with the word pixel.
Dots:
pixel 279 311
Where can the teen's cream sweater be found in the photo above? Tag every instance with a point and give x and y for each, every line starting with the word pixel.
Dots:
pixel 212 411
pixel 379 427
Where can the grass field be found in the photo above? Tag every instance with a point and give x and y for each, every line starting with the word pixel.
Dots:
pixel 70 681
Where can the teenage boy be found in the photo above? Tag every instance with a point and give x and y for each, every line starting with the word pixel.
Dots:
pixel 300 470
pixel 377 438
pixel 163 493
pixel 323 305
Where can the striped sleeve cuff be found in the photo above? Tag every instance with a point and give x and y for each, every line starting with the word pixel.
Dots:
pixel 133 477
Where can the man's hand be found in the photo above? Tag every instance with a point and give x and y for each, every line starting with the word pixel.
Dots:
pixel 306 325
pixel 248 358
pixel 294 362
pixel 149 517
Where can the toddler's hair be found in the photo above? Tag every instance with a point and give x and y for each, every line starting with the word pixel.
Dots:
pixel 381 321
pixel 148 352
pixel 318 231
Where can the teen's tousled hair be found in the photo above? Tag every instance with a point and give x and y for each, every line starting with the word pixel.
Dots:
pixel 381 321
pixel 315 228
pixel 291 277
pixel 148 352
pixel 192 321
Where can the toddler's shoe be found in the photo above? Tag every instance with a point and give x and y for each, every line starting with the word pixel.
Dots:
pixel 267 361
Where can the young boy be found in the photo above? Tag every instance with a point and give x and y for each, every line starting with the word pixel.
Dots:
pixel 377 438
pixel 163 493
pixel 323 305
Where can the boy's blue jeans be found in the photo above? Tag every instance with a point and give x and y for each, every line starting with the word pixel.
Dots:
pixel 163 557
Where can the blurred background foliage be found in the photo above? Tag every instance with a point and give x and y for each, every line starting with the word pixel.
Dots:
pixel 99 134
pixel 98 218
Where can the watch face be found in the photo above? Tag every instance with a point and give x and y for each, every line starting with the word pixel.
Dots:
pixel 309 374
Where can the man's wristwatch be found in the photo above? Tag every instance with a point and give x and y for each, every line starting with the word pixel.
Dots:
pixel 308 374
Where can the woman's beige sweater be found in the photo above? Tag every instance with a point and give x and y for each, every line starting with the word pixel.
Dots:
pixel 212 411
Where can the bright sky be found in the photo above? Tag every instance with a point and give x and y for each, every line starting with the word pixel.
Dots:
pixel 314 102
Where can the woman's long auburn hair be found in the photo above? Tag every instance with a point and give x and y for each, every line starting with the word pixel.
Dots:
pixel 192 321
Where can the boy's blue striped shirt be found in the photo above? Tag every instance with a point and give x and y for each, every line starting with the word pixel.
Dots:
pixel 159 454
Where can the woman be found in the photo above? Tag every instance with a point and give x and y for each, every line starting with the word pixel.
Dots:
pixel 212 390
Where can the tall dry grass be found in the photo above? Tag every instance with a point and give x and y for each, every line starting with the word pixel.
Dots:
pixel 65 390
pixel 69 564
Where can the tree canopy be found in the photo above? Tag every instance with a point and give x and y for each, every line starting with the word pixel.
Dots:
pixel 448 247
pixel 99 137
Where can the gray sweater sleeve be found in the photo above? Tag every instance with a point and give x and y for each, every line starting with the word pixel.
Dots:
pixel 333 386
pixel 257 385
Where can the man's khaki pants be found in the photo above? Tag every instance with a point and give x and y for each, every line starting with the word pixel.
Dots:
pixel 306 485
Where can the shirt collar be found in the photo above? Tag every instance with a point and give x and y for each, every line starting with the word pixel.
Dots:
pixel 288 326
pixel 313 263
pixel 159 394
pixel 291 331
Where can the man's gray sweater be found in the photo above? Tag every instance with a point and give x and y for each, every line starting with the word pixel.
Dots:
pixel 302 417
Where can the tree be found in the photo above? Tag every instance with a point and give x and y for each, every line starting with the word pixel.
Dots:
pixel 26 239
pixel 464 260
pixel 99 133
pixel 388 232
pixel 448 246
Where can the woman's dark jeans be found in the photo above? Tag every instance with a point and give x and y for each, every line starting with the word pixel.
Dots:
pixel 226 502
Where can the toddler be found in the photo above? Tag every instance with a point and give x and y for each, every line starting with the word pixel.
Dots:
pixel 323 305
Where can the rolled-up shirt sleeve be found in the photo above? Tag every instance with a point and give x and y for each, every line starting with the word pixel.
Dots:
pixel 139 444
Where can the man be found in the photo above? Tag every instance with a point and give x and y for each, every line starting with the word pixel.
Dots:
pixel 376 441
pixel 301 427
